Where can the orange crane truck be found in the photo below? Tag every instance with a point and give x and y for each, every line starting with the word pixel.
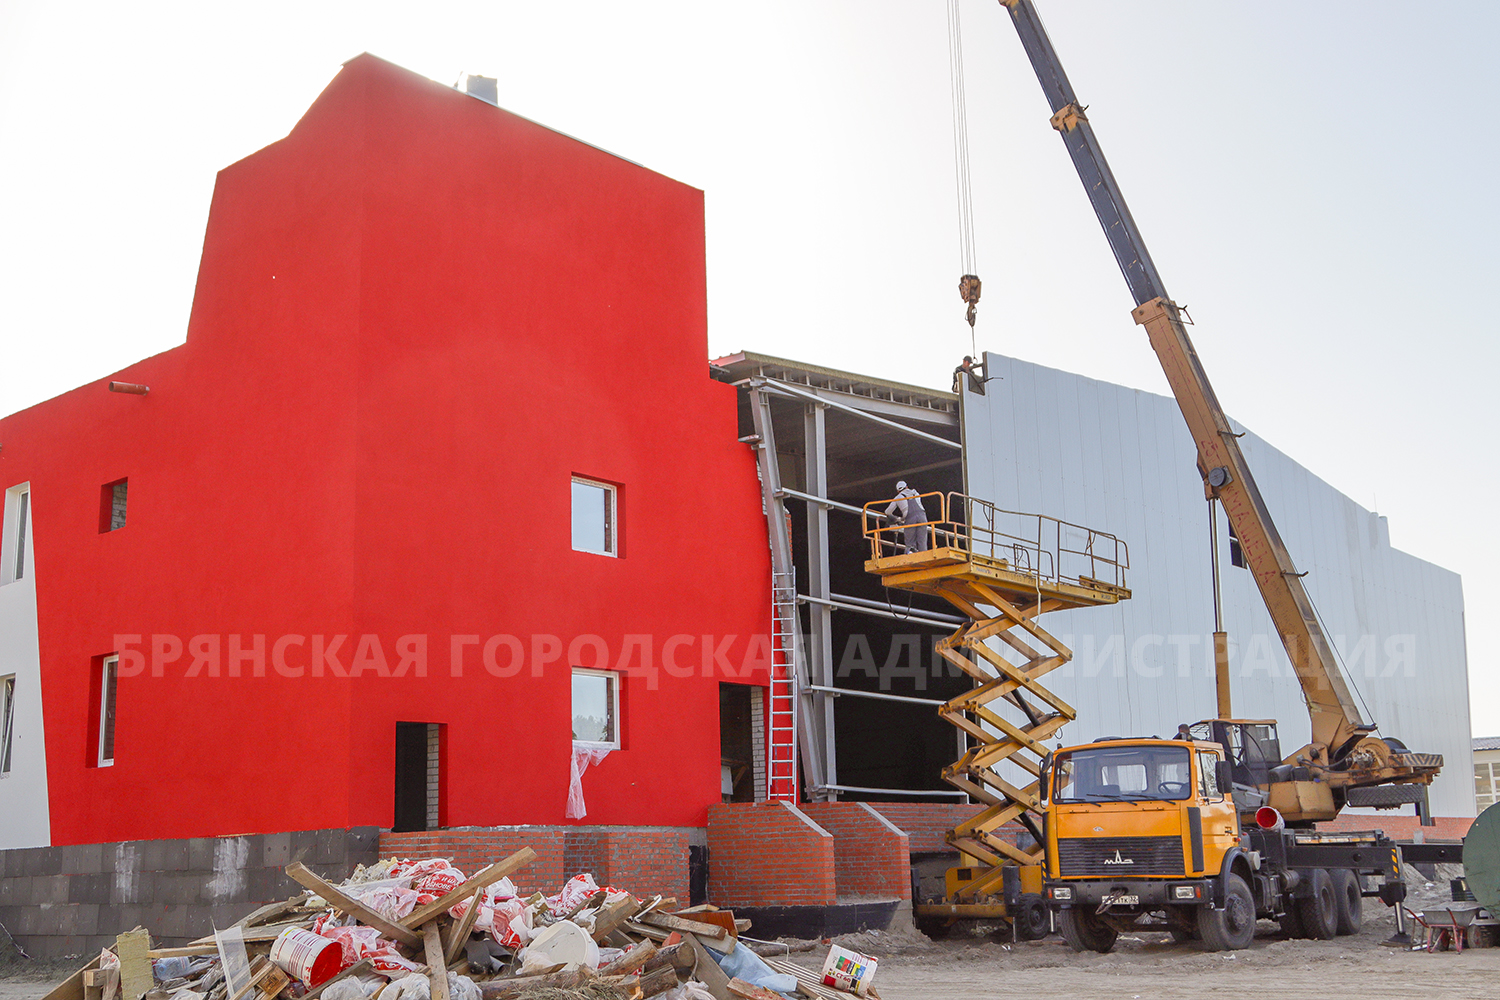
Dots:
pixel 1201 834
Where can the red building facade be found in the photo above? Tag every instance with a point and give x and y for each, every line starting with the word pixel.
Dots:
pixel 347 499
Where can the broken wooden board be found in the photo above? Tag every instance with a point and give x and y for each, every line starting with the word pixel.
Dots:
pixel 722 939
pixel 518 986
pixel 459 934
pixel 749 991
pixel 437 969
pixel 72 987
pixel 631 960
pixel 271 911
pixel 335 897
pixel 706 970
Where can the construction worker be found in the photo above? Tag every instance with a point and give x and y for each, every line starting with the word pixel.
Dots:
pixel 907 509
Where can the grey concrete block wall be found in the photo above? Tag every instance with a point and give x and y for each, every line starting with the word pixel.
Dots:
pixel 73 900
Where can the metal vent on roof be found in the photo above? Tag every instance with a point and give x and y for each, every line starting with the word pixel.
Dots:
pixel 483 87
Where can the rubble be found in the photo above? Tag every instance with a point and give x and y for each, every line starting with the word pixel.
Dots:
pixel 421 930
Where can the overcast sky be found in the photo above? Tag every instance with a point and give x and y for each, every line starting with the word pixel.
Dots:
pixel 1315 183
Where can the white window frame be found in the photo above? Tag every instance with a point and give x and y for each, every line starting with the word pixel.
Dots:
pixel 614 706
pixel 7 723
pixel 111 665
pixel 611 516
pixel 14 551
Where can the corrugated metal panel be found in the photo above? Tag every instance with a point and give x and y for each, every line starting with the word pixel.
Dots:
pixel 1122 461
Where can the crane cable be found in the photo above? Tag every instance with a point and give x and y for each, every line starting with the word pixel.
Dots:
pixel 968 284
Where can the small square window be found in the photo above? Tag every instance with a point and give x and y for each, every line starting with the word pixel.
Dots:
pixel 595 520
pixel 111 681
pixel 7 721
pixel 112 498
pixel 596 707
pixel 17 526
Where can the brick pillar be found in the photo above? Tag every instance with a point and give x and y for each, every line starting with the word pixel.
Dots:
pixel 768 854
pixel 871 856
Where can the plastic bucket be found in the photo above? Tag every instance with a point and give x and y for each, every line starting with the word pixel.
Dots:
pixel 309 957
pixel 848 970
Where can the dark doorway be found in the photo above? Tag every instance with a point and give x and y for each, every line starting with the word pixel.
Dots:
pixel 418 776
pixel 737 741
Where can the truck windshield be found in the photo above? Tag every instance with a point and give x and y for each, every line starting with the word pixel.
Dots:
pixel 1118 774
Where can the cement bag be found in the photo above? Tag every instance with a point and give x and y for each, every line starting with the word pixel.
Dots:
pixel 439 882
pixel 510 924
pixel 391 902
pixel 564 943
pixel 574 892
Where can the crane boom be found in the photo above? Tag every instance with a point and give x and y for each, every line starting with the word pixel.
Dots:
pixel 1337 726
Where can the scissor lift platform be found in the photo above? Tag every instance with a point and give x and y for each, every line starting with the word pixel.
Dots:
pixel 1002 570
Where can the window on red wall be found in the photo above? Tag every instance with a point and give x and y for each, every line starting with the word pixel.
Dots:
pixel 107 703
pixel 112 501
pixel 596 517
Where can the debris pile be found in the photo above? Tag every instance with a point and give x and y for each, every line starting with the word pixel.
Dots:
pixel 420 930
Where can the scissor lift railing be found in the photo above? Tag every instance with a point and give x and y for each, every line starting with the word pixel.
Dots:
pixel 1002 569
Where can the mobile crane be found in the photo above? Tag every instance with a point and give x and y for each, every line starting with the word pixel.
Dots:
pixel 1201 834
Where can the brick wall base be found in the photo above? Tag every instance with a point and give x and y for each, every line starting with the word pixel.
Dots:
pixel 871 857
pixel 73 900
pixel 768 854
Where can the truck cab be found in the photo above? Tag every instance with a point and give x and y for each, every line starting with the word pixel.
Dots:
pixel 1137 827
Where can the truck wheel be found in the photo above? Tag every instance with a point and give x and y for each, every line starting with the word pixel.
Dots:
pixel 1084 931
pixel 1348 904
pixel 1031 918
pixel 1319 910
pixel 1233 927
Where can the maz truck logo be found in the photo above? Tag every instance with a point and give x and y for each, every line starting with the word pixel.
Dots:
pixel 1117 860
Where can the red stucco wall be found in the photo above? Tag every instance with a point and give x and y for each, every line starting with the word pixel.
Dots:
pixel 416 317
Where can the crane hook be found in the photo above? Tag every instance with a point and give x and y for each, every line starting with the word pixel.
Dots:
pixel 968 290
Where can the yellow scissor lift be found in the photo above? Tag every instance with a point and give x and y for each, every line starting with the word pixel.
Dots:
pixel 1003 570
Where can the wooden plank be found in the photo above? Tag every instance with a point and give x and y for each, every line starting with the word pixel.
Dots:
pixel 359 968
pixel 657 981
pixel 641 930
pixel 254 935
pixel 609 919
pixel 461 931
pixel 135 967
pixel 273 984
pixel 488 876
pixel 706 970
pixel 72 987
pixel 717 918
pixel 437 969
pixel 631 960
pixel 714 933
pixel 667 954
pixel 187 951
pixel 517 986
pixel 299 873
pixel 749 991
pixel 271 911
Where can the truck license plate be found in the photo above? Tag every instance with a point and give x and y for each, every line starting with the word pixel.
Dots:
pixel 1122 900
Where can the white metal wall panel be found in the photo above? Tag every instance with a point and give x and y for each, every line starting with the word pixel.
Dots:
pixel 1121 460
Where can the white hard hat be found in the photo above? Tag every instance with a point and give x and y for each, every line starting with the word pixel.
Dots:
pixel 901 485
